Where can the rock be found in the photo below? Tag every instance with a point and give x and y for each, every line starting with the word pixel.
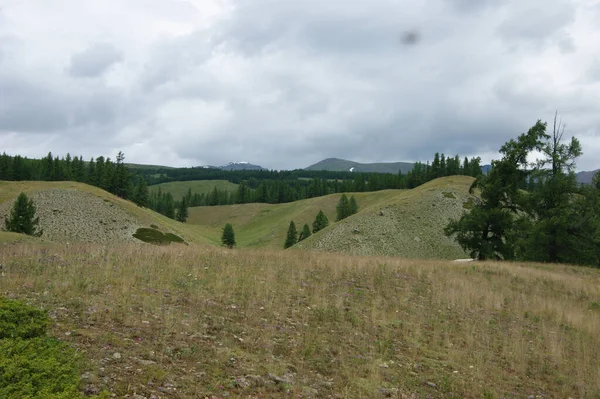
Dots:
pixel 310 392
pixel 388 392
pixel 116 355
pixel 90 390
pixel 381 213
pixel 431 384
pixel 242 382
pixel 285 379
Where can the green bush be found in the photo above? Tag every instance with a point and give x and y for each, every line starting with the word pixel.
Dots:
pixel 31 364
pixel 18 320
pixel 153 236
pixel 38 368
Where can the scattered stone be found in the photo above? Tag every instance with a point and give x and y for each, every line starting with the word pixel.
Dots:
pixel 116 355
pixel 90 390
pixel 431 384
pixel 310 392
pixel 384 366
pixel 388 392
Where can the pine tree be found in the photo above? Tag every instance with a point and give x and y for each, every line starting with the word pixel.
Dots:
pixel 343 208
pixel 353 206
pixel 228 237
pixel 305 233
pixel 22 217
pixel 182 210
pixel 141 195
pixel 320 222
pixel 292 236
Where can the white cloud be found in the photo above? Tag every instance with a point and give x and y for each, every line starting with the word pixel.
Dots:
pixel 285 84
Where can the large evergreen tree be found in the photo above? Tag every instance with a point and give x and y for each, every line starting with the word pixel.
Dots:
pixel 292 235
pixel 22 218
pixel 320 222
pixel 141 196
pixel 228 237
pixel 487 232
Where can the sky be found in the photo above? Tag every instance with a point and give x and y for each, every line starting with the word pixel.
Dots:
pixel 285 84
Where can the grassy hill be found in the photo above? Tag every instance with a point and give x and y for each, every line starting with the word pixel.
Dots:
pixel 72 212
pixel 409 224
pixel 179 189
pixel 336 164
pixel 412 225
pixel 184 322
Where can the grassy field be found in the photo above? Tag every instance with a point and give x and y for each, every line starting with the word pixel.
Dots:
pixel 180 322
pixel 179 189
pixel 144 216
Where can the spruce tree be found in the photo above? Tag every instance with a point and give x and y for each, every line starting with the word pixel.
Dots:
pixel 141 196
pixel 228 237
pixel 292 236
pixel 182 210
pixel 343 208
pixel 353 205
pixel 320 222
pixel 305 233
pixel 22 217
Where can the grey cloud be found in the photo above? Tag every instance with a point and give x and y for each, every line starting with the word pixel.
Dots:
pixel 284 84
pixel 94 61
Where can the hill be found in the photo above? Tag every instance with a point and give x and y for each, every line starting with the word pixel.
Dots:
pixel 409 224
pixel 190 322
pixel 586 177
pixel 412 225
pixel 241 166
pixel 77 212
pixel 179 189
pixel 342 165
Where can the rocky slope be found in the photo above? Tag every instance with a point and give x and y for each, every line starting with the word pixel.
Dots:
pixel 73 215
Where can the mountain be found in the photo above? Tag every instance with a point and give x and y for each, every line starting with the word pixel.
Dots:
pixel 339 165
pixel 586 177
pixel 241 166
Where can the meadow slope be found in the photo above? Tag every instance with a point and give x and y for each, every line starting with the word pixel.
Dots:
pixel 411 226
pixel 77 212
pixel 181 322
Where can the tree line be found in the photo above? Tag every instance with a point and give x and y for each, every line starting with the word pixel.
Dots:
pixel 262 186
pixel 533 211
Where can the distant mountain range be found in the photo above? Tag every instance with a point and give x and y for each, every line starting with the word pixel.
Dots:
pixel 339 165
pixel 586 177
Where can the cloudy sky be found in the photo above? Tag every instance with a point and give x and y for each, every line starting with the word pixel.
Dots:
pixel 286 83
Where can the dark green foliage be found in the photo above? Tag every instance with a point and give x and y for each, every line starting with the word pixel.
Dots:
pixel 305 233
pixel 343 208
pixel 555 221
pixel 320 222
pixel 18 320
pixel 38 368
pixel 153 236
pixel 182 210
pixel 228 237
pixel 141 195
pixel 292 235
pixel 353 205
pixel 31 364
pixel 22 217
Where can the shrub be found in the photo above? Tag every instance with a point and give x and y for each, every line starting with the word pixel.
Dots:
pixel 18 320
pixel 38 368
pixel 152 236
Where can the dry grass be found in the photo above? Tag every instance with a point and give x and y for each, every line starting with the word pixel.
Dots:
pixel 195 322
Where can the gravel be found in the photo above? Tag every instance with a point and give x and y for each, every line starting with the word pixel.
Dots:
pixel 76 216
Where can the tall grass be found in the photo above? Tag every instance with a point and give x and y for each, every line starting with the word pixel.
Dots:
pixel 195 322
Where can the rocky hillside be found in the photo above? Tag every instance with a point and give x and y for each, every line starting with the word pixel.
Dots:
pixel 72 215
pixel 410 226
